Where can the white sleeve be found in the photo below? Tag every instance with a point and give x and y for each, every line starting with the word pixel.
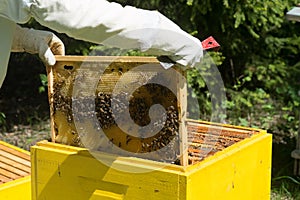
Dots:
pixel 102 22
pixel 11 11
pixel 6 38
pixel 15 10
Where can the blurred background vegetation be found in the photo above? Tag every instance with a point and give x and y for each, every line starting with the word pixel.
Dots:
pixel 258 60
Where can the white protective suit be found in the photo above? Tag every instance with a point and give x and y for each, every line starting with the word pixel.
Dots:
pixel 101 22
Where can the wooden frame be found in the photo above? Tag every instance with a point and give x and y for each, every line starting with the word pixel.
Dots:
pixel 76 61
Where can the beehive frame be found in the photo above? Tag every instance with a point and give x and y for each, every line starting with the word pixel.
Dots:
pixel 67 66
pixel 195 141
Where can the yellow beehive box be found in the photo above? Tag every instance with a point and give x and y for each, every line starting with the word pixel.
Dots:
pixel 15 170
pixel 242 170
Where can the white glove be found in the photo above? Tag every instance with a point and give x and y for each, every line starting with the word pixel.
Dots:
pixel 102 22
pixel 44 43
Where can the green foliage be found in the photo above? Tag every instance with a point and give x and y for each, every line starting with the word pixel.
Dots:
pixel 265 96
pixel 99 50
pixel 196 79
pixel 44 82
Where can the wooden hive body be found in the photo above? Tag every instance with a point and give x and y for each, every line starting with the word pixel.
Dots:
pixel 240 171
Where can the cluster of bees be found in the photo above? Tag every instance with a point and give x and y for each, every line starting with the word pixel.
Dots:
pixel 108 109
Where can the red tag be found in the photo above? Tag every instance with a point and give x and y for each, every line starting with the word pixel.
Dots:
pixel 210 43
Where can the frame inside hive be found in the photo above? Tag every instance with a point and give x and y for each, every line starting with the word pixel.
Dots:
pixel 192 142
pixel 81 90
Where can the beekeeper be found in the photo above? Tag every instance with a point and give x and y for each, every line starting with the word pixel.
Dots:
pixel 97 21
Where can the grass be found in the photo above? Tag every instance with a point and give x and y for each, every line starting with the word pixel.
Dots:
pixel 286 187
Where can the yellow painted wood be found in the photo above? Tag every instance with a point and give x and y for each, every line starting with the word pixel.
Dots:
pixel 105 195
pixel 14 148
pixel 241 171
pixel 19 189
pixel 15 168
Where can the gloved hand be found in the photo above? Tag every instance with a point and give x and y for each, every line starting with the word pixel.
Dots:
pixel 44 43
pixel 110 24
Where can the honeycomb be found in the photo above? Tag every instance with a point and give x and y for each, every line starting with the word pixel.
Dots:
pixel 92 107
